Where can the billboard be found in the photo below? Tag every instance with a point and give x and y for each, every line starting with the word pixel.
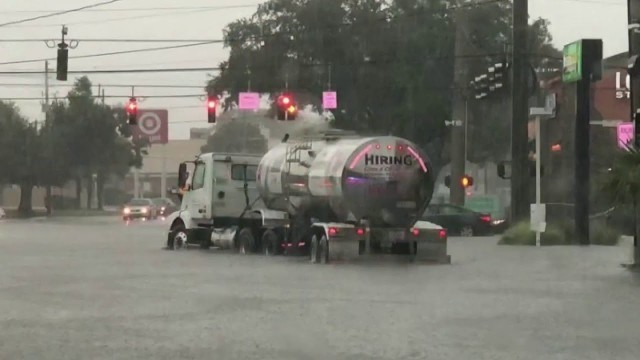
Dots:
pixel 154 125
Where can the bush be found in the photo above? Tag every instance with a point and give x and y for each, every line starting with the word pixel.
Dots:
pixel 602 234
pixel 559 234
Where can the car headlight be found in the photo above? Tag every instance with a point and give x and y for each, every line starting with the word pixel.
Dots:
pixel 126 211
pixel 145 210
pixel 162 208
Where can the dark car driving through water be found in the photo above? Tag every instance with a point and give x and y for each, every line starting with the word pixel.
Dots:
pixel 459 220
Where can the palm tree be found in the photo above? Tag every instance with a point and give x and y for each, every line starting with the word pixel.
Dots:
pixel 623 184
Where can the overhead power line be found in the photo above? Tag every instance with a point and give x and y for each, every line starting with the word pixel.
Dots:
pixel 149 86
pixel 114 71
pixel 142 9
pixel 112 97
pixel 115 52
pixel 59 13
pixel 165 13
pixel 117 40
pixel 421 60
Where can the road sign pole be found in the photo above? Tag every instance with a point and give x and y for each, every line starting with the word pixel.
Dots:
pixel 538 155
pixel 163 178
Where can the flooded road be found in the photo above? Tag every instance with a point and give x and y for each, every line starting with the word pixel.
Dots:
pixel 95 288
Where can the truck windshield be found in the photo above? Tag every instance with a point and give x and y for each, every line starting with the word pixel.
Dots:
pixel 238 173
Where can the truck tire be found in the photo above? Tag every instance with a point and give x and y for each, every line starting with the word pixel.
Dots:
pixel 205 244
pixel 178 238
pixel 313 252
pixel 270 243
pixel 323 250
pixel 245 241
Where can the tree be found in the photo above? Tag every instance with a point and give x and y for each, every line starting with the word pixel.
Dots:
pixel 236 136
pixel 623 185
pixel 390 61
pixel 102 142
pixel 19 153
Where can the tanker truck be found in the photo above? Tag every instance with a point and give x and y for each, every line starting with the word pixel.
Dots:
pixel 333 196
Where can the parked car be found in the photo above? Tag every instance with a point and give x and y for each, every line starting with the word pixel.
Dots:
pixel 140 208
pixel 165 206
pixel 459 220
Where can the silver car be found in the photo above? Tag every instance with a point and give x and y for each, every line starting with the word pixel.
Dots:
pixel 140 209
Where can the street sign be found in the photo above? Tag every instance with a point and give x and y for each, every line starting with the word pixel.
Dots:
pixel 453 122
pixel 154 125
pixel 606 123
pixel 550 103
pixel 625 134
pixel 249 101
pixel 540 111
pixel 330 100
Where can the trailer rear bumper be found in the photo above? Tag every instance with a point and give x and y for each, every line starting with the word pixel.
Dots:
pixel 423 251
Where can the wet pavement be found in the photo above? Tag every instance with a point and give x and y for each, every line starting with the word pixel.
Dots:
pixel 95 288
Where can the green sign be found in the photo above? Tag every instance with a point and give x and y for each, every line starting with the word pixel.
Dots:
pixel 487 204
pixel 572 62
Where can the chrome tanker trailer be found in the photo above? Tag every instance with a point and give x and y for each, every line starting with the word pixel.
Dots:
pixel 333 196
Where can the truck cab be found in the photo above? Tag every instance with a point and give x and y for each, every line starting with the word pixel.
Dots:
pixel 219 196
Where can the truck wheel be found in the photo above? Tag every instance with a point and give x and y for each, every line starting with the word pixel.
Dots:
pixel 246 242
pixel 178 238
pixel 205 244
pixel 270 243
pixel 323 250
pixel 315 244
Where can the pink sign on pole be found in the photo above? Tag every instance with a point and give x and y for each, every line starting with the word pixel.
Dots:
pixel 249 101
pixel 625 134
pixel 330 100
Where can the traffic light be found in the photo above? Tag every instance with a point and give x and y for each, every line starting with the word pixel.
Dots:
pixel 466 181
pixel 212 104
pixel 132 111
pixel 62 62
pixel 480 86
pixel 287 107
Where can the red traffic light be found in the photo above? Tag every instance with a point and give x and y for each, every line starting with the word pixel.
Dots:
pixel 132 111
pixel 285 100
pixel 212 102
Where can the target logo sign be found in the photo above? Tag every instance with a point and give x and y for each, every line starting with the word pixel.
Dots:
pixel 154 125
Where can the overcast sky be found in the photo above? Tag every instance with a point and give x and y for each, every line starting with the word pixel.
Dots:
pixel 570 20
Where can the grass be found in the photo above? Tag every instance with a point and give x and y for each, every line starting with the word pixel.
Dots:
pixel 559 234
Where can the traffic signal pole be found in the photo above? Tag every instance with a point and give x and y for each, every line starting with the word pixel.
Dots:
pixel 519 114
pixel 461 79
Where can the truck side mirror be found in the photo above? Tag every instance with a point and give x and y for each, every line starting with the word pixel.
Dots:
pixel 183 175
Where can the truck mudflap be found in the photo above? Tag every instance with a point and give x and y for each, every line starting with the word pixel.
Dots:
pixel 419 244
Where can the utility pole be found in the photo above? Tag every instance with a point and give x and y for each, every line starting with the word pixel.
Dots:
pixel 633 17
pixel 136 174
pixel 48 200
pixel 519 113
pixel 458 133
